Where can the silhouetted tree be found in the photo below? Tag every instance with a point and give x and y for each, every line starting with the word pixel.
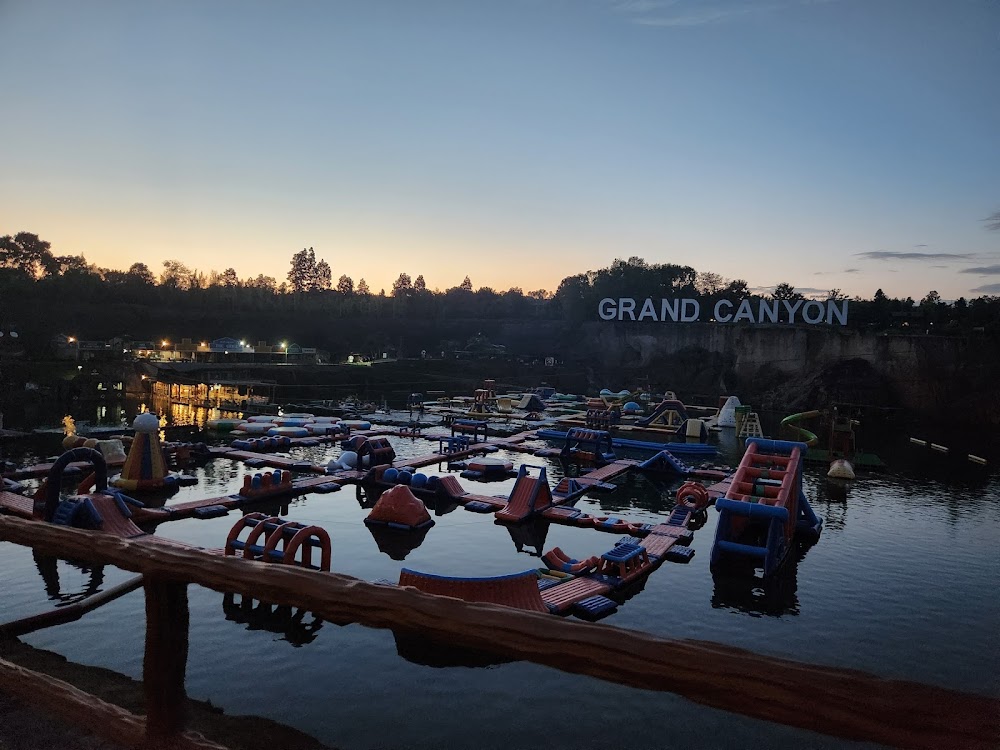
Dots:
pixel 264 283
pixel 363 287
pixel 466 284
pixel 709 283
pixel 785 291
pixel 738 289
pixel 346 286
pixel 419 285
pixel 26 252
pixel 229 278
pixel 324 276
pixel 175 275
pixel 140 274
pixel 62 265
pixel 402 286
pixel 302 275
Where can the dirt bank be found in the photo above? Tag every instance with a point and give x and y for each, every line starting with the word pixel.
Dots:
pixel 23 728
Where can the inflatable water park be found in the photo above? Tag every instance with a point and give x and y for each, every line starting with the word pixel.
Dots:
pixel 124 492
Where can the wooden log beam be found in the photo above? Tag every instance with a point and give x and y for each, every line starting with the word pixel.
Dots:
pixel 81 709
pixel 843 703
pixel 165 662
pixel 69 613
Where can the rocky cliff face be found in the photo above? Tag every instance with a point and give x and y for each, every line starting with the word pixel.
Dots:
pixel 934 375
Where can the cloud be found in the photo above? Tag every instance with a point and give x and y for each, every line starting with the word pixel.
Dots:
pixel 687 13
pixel 811 290
pixel 641 6
pixel 987 289
pixel 893 255
pixel 982 270
pixel 852 270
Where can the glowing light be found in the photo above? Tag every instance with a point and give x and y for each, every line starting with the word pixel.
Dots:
pixel 71 339
pixel 164 343
pixel 283 345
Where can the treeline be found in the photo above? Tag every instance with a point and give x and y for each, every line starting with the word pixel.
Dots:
pixel 47 293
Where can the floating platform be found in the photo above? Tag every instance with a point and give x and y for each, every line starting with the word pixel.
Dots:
pixel 678 449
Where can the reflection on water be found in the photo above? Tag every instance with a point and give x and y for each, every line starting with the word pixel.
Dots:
pixel 420 649
pixel 295 625
pixel 48 568
pixel 753 595
pixel 397 543
pixel 186 415
pixel 530 533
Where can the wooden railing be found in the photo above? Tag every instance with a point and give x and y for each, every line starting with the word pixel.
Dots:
pixel 843 703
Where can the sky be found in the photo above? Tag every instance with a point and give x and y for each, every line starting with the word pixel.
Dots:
pixel 849 144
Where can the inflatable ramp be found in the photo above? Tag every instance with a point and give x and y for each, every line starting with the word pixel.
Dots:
pixel 530 495
pixel 765 507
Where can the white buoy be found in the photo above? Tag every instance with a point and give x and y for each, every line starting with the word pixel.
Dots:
pixel 939 448
pixel 841 469
pixel 918 441
pixel 977 460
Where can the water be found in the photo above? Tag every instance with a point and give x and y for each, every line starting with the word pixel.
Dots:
pixel 901 584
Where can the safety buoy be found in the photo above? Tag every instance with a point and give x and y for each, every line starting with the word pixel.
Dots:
pixel 693 495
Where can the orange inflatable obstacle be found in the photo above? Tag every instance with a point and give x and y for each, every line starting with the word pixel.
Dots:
pixel 556 559
pixel 530 495
pixel 399 508
pixel 275 540
pixel 518 590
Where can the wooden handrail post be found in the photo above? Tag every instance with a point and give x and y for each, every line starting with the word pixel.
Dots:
pixel 165 663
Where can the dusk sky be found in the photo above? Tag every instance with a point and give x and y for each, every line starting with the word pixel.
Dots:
pixel 847 143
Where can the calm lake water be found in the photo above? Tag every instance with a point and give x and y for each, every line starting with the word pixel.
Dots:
pixel 901 584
